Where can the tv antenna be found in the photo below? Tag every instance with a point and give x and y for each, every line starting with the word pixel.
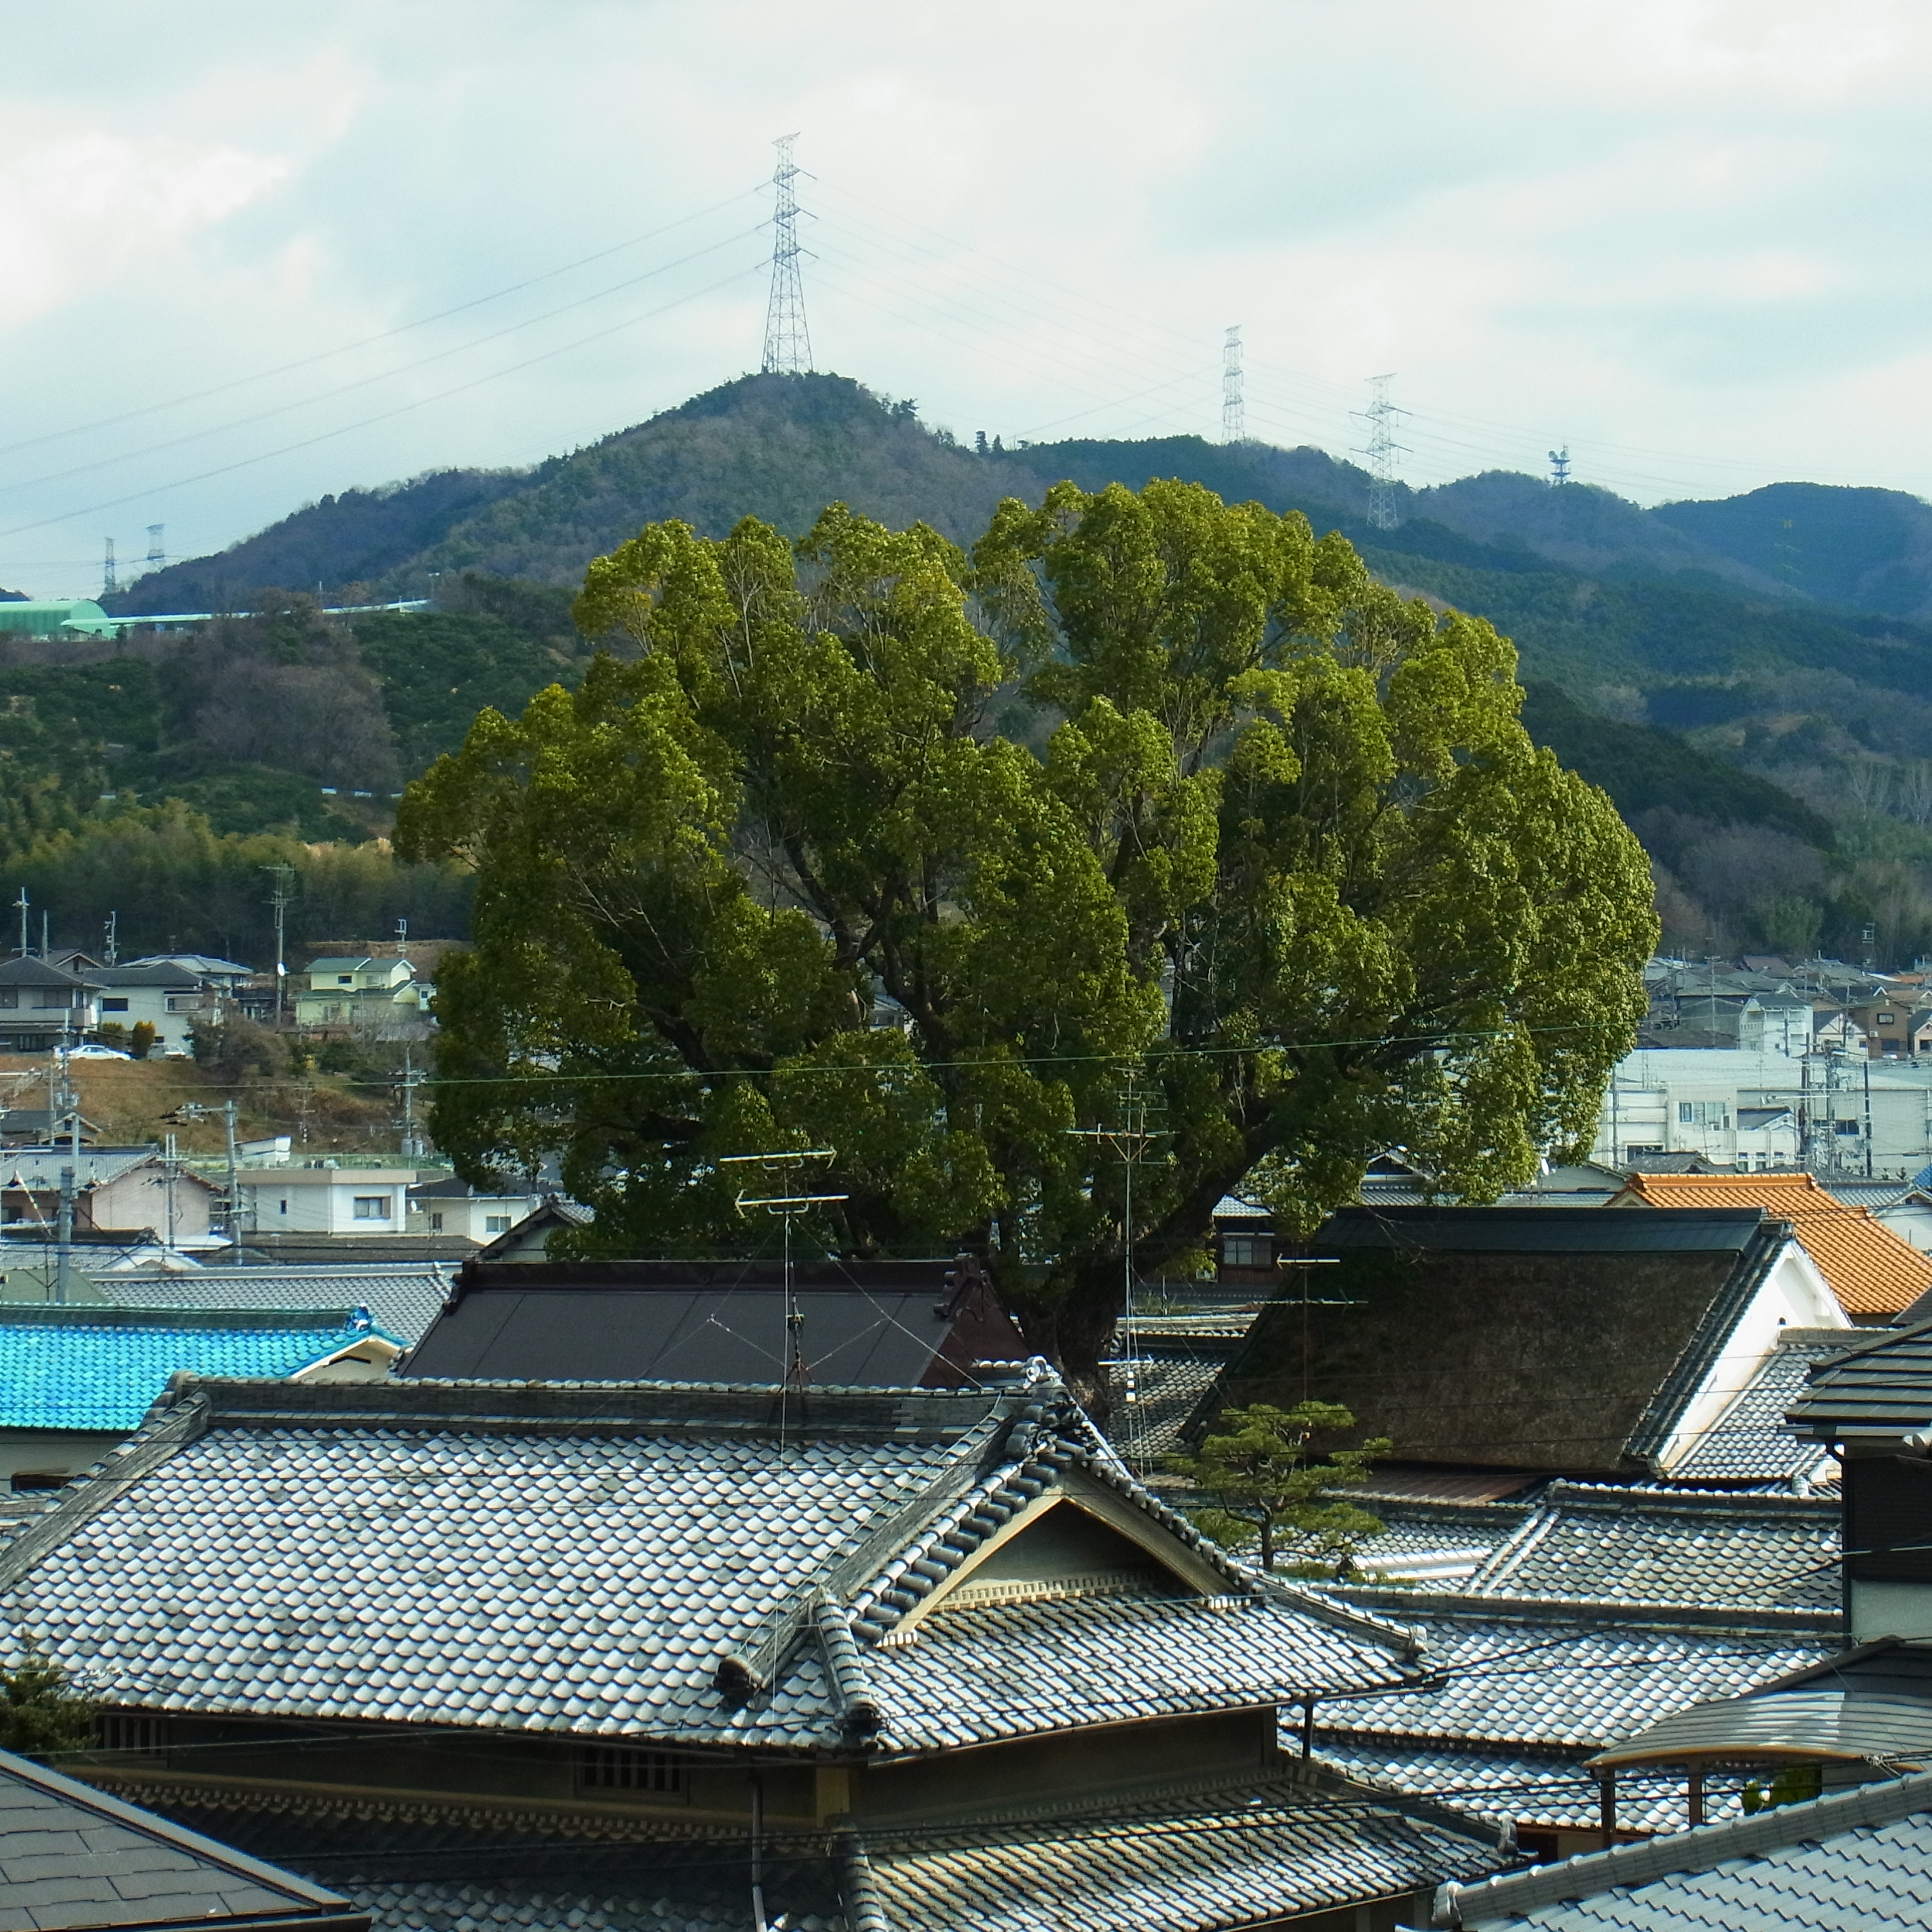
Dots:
pixel 1234 408
pixel 1130 1140
pixel 1381 450
pixel 787 341
pixel 788 1168
pixel 1559 467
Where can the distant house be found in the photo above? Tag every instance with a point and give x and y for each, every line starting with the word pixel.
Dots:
pixel 453 1207
pixel 360 993
pixel 1873 1273
pixel 222 975
pixel 529 1240
pixel 871 1325
pixel 404 1298
pixel 119 1192
pixel 169 997
pixel 37 1127
pixel 1895 1029
pixel 75 1381
pixel 1549 1339
pixel 934 1653
pixel 351 1202
pixel 43 1007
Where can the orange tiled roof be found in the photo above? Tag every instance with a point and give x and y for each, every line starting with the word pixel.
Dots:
pixel 1870 1270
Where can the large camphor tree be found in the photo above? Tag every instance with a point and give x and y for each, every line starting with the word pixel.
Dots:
pixel 1154 814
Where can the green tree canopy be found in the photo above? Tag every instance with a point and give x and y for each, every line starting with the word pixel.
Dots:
pixel 1252 829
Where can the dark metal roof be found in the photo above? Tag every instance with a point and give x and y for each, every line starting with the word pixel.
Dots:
pixel 1882 1390
pixel 75 1859
pixel 881 1324
pixel 1538 1230
pixel 1819 1724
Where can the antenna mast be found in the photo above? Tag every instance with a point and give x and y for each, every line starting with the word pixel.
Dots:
pixel 1382 451
pixel 1559 466
pixel 787 341
pixel 1234 409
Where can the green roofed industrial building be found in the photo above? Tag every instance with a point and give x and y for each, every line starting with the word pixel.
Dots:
pixel 58 617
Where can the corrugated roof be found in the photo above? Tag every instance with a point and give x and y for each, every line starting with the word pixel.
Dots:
pixel 1855 1862
pixel 1871 1271
pixel 1812 1723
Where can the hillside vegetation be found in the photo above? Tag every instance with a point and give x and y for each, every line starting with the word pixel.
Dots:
pixel 1746 677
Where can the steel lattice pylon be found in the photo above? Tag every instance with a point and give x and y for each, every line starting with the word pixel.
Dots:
pixel 1234 412
pixel 1382 451
pixel 787 340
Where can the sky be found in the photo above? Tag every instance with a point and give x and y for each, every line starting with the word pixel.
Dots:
pixel 249 255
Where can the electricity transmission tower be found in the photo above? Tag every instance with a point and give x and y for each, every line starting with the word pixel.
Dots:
pixel 1381 450
pixel 787 341
pixel 158 555
pixel 1234 409
pixel 110 582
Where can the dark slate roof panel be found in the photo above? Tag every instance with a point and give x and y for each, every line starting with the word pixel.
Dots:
pixel 1539 1230
pixel 1881 1390
pixel 404 1299
pixel 72 1857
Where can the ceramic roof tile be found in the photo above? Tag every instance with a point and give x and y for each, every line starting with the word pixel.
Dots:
pixel 1856 1859
pixel 1749 1441
pixel 404 1299
pixel 597 1548
pixel 99 1369
pixel 1871 1270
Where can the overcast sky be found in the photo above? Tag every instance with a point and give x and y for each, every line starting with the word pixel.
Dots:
pixel 250 254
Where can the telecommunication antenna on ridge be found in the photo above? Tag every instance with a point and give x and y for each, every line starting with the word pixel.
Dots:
pixel 158 556
pixel 110 582
pixel 787 341
pixel 1234 409
pixel 786 1167
pixel 1559 466
pixel 1381 450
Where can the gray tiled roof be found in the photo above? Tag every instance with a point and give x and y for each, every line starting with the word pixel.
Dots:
pixel 1856 1862
pixel 1565 1683
pixel 579 1558
pixel 1713 1550
pixel 404 1299
pixel 1750 1442
pixel 1248 1856
pixel 1431 1539
pixel 72 1857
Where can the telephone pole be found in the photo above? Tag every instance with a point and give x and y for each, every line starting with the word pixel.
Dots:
pixel 787 341
pixel 1234 406
pixel 1381 450
pixel 279 899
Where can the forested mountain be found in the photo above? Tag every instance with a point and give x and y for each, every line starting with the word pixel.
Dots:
pixel 1745 677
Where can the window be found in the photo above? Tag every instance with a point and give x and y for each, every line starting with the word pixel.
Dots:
pixel 114 1005
pixel 1247 1251
pixel 618 1768
pixel 9 996
pixel 1845 1127
pixel 25 1479
pixel 52 996
pixel 285 1205
pixel 134 1731
pixel 436 1224
pixel 1703 1114
pixel 372 1207
pixel 345 978
pixel 495 1224
pixel 1887 1019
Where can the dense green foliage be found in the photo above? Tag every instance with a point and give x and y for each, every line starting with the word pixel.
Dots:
pixel 40 1714
pixel 1265 1485
pixel 1285 856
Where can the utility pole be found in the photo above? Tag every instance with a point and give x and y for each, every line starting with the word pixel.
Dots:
pixel 787 341
pixel 412 1147
pixel 111 948
pixel 1234 406
pixel 282 874
pixel 1381 450
pixel 20 904
pixel 70 1168
pixel 233 1216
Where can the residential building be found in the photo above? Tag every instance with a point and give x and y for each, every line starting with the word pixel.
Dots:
pixel 42 1007
pixel 529 1240
pixel 350 1201
pixel 1895 1028
pixel 81 1860
pixel 1873 1272
pixel 1545 1339
pixel 168 996
pixel 120 1194
pixel 1855 1862
pixel 449 1206
pixel 76 1381
pixel 360 994
pixel 854 1324
pixel 40 1126
pixel 224 977
pixel 1906 1209
pixel 924 1658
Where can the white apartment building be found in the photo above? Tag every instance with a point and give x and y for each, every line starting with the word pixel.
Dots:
pixel 1836 1114
pixel 325 1200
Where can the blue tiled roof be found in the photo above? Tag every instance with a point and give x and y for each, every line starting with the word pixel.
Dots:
pixel 96 1368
